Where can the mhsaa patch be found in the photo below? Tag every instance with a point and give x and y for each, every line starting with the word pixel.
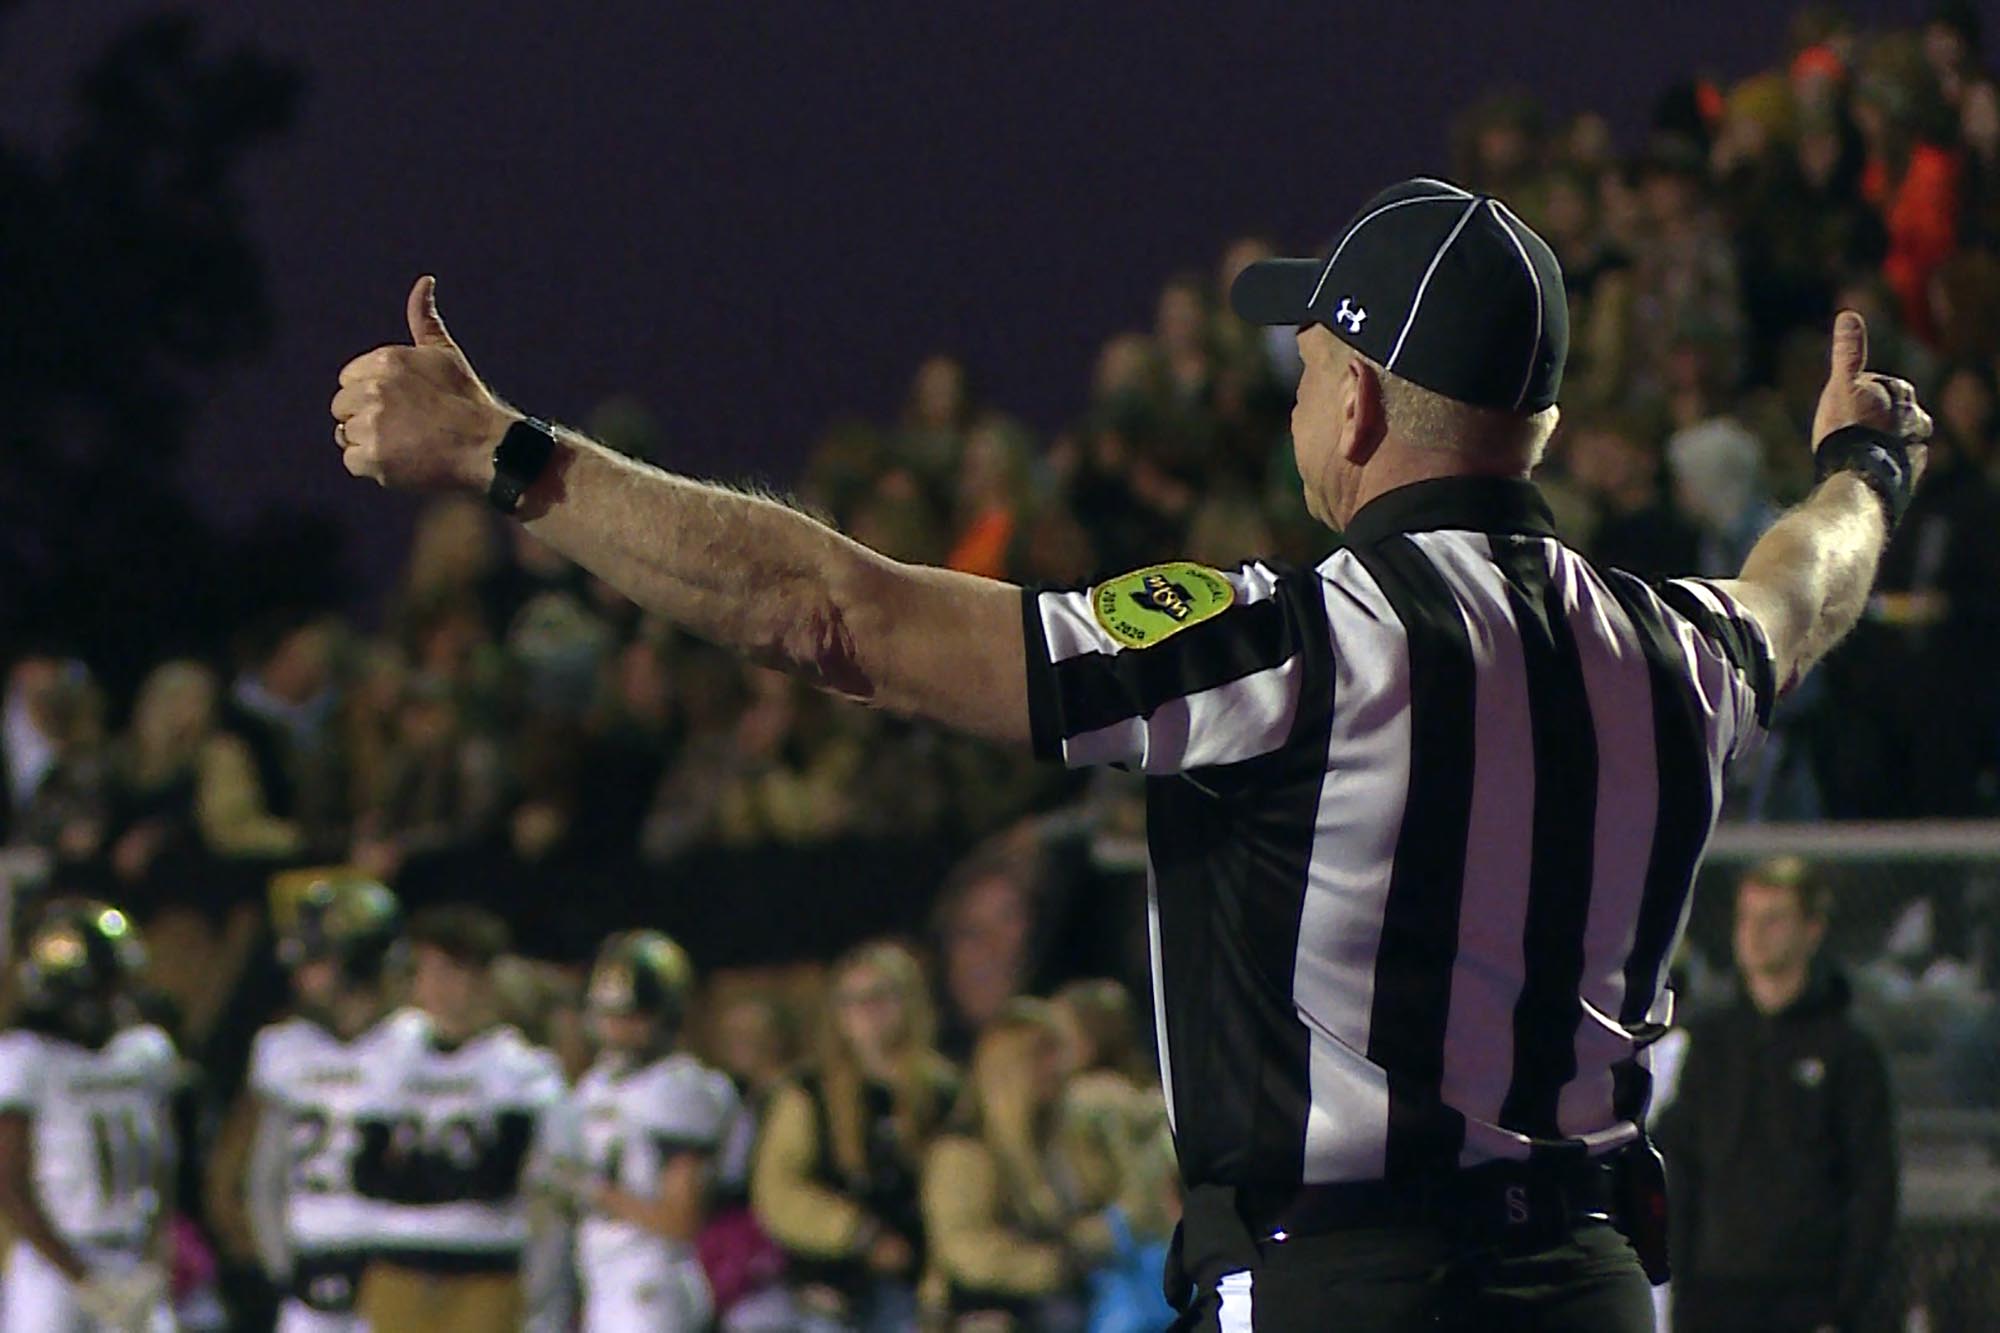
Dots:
pixel 1142 608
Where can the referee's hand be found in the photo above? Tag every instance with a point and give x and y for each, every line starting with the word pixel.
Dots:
pixel 1856 396
pixel 417 416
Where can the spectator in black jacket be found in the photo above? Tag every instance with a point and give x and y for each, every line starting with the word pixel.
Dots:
pixel 1780 1140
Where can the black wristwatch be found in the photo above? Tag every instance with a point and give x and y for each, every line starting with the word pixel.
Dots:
pixel 1877 457
pixel 519 459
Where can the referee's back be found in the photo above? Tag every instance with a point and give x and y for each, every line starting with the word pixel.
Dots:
pixel 1422 826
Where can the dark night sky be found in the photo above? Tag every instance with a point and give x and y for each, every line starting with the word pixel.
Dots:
pixel 757 216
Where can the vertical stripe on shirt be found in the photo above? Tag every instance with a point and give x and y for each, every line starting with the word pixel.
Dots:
pixel 1681 822
pixel 1412 998
pixel 1565 821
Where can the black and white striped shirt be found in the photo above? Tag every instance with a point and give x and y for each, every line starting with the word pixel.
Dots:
pixel 1422 824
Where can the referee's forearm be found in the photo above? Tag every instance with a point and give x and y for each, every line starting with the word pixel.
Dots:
pixel 737 569
pixel 1808 578
pixel 754 575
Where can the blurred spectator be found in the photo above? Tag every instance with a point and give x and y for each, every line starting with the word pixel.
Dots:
pixel 1780 1137
pixel 1597 279
pixel 986 931
pixel 1112 1101
pixel 1979 135
pixel 1686 289
pixel 837 1169
pixel 756 1044
pixel 1180 329
pixel 367 722
pixel 1932 630
pixel 1016 1208
pixel 897 516
pixel 1496 147
pixel 28 732
pixel 280 708
pixel 1717 466
pixel 791 774
pixel 991 496
pixel 1913 175
pixel 934 421
pixel 1965 306
pixel 452 552
pixel 156 770
pixel 1951 48
pixel 68 809
pixel 526 571
pixel 441 786
pixel 635 726
pixel 1635 529
pixel 559 645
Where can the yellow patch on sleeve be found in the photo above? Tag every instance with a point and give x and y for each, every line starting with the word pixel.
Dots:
pixel 1149 605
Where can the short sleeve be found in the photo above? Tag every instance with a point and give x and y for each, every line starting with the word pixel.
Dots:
pixel 23 1072
pixel 1732 649
pixel 693 1113
pixel 161 1061
pixel 1169 668
pixel 267 1057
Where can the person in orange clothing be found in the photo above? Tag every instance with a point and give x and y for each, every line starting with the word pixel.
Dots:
pixel 992 488
pixel 1914 182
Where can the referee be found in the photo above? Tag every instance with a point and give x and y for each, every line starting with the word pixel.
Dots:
pixel 1422 819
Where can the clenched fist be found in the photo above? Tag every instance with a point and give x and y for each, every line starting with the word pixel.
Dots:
pixel 418 417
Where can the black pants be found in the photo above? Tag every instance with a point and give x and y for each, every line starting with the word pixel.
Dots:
pixel 1392 1279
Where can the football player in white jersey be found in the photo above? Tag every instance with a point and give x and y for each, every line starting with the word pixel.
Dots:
pixel 312 1074
pixel 85 1136
pixel 444 1152
pixel 657 1127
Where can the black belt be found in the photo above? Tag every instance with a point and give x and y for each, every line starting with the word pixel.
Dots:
pixel 1497 1198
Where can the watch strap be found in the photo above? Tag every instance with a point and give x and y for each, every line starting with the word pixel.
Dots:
pixel 518 462
pixel 1877 457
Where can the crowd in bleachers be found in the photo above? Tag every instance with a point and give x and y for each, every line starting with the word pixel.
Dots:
pixel 516 727
pixel 514 704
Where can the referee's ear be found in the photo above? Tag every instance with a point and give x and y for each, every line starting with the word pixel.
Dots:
pixel 1364 422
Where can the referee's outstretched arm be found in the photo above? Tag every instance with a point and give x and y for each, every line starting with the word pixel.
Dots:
pixel 752 574
pixel 1807 580
pixel 739 569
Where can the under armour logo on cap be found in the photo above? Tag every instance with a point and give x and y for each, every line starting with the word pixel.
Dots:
pixel 1467 300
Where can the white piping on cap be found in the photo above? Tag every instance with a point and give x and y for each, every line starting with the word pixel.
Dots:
pixel 1364 221
pixel 1410 320
pixel 1507 224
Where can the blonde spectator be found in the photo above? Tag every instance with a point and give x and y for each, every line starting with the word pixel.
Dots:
pixel 155 766
pixel 1112 1106
pixel 1015 1208
pixel 836 1176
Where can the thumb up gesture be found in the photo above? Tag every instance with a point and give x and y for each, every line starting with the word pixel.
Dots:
pixel 416 416
pixel 1857 396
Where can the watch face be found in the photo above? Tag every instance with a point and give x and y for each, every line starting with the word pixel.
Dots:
pixel 520 457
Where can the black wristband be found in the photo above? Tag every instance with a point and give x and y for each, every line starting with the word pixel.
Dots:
pixel 519 459
pixel 1878 458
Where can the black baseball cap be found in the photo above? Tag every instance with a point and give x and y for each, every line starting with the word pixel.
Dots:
pixel 1447 288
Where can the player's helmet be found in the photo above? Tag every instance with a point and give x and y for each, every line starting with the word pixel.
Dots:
pixel 642 972
pixel 358 923
pixel 81 957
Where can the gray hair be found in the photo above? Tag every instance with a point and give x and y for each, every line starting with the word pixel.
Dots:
pixel 1429 420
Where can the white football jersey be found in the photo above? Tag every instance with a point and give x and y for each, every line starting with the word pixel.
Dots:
pixel 632 1123
pixel 101 1128
pixel 322 1085
pixel 443 1150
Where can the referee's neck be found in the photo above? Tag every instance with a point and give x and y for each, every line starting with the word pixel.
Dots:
pixel 1399 463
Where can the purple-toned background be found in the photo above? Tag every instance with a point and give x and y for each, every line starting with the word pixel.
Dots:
pixel 756 216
